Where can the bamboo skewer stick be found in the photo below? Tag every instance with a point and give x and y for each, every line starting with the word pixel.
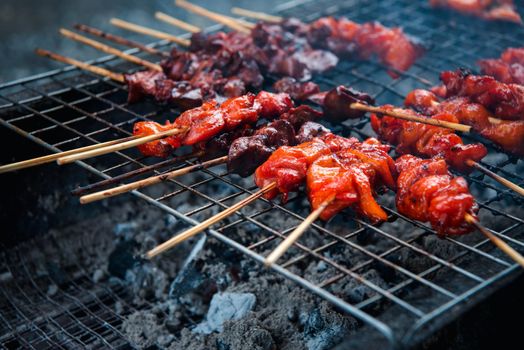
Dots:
pixel 85 66
pixel 440 123
pixel 256 15
pixel 52 157
pixel 119 146
pixel 114 180
pixel 296 234
pixel 512 253
pixel 119 40
pixel 223 19
pixel 496 177
pixel 148 31
pixel 207 223
pixel 110 50
pixel 149 181
pixel 414 118
pixel 188 27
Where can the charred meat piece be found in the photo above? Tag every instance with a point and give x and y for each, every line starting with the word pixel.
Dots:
pixel 349 39
pixel 301 114
pixel 287 167
pixel 310 130
pixel 247 153
pixel 337 103
pixel 349 178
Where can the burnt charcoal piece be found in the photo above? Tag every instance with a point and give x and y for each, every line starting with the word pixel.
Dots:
pixel 122 258
pixel 297 90
pixel 337 102
pixel 310 130
pixel 226 307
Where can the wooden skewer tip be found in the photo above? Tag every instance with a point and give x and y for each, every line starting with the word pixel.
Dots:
pixel 296 234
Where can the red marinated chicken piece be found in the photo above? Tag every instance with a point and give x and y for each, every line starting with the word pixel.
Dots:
pixel 287 167
pixel 507 134
pixel 348 178
pixel 503 10
pixel 428 140
pixel 506 101
pixel 391 45
pixel 426 191
pixel 344 37
pixel 158 148
pixel 509 68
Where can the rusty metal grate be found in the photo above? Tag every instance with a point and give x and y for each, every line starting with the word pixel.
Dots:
pixel 65 109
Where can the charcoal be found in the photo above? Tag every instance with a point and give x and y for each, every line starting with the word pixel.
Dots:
pixel 189 277
pixel 225 307
pixel 123 258
pixel 246 335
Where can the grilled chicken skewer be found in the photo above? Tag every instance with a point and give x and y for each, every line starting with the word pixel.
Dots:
pixel 283 172
pixel 244 152
pixel 405 128
pixel 426 191
pixel 506 134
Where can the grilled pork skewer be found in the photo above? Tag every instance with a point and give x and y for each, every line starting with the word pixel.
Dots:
pixel 348 39
pixel 426 191
pixel 505 101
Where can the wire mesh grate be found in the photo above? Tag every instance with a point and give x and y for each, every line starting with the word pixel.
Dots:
pixel 420 279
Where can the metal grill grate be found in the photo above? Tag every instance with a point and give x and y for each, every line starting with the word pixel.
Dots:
pixel 65 109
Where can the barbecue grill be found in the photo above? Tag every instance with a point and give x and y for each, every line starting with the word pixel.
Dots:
pixel 423 281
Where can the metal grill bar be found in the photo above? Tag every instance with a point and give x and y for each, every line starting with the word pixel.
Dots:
pixel 96 102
